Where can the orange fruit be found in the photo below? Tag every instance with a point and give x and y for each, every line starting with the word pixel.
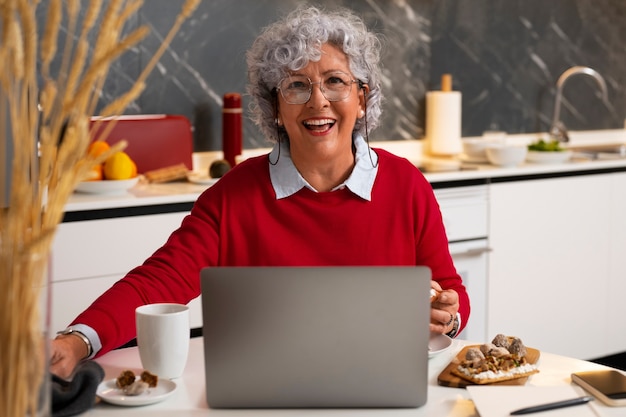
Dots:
pixel 95 173
pixel 97 148
pixel 119 166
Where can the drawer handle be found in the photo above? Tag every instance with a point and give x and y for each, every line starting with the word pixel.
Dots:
pixel 472 252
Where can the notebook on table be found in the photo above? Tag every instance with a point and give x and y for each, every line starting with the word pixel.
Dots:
pixel 316 337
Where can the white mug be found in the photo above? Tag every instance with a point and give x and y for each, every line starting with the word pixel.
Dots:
pixel 163 338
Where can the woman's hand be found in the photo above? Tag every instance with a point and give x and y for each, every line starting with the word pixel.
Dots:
pixel 443 309
pixel 66 352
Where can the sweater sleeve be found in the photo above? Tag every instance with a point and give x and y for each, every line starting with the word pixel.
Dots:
pixel 170 275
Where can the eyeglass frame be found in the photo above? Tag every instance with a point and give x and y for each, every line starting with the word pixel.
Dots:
pixel 352 81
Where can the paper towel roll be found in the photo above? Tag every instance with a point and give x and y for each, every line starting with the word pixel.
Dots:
pixel 443 122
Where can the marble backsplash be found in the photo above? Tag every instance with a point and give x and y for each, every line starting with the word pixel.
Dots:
pixel 505 57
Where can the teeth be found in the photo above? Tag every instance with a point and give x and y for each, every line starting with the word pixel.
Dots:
pixel 319 122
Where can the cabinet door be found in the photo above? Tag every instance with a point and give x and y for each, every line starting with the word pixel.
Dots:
pixel 617 267
pixel 470 260
pixel 93 248
pixel 549 266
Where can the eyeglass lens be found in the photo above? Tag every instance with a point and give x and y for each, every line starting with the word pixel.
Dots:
pixel 296 89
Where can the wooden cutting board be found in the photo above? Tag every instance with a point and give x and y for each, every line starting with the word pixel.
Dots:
pixel 447 379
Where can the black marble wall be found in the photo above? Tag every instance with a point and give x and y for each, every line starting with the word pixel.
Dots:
pixel 505 57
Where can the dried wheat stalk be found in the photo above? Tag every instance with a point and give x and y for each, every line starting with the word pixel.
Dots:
pixel 49 157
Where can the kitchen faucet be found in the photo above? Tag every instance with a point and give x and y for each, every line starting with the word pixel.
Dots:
pixel 557 129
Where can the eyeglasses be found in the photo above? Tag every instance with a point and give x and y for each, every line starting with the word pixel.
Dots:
pixel 296 89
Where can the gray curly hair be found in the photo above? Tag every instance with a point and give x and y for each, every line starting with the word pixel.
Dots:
pixel 289 45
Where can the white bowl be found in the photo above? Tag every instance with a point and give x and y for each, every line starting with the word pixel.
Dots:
pixel 475 149
pixel 548 157
pixel 506 155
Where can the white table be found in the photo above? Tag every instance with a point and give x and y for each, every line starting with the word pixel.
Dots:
pixel 189 398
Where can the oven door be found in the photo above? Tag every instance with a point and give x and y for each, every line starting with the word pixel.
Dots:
pixel 470 260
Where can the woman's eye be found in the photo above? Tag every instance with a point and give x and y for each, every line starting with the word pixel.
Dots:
pixel 298 85
pixel 335 80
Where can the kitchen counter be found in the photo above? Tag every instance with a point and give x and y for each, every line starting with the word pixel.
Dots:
pixel 142 194
pixel 526 170
pixel 186 193
pixel 177 192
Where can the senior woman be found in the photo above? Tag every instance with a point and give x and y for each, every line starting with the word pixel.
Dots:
pixel 321 197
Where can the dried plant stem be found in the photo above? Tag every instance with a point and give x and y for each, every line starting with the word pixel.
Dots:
pixel 49 158
pixel 49 40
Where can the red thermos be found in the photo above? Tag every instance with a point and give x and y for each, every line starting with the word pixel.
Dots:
pixel 231 127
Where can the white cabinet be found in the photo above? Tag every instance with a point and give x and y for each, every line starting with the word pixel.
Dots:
pixel 470 260
pixel 89 256
pixel 464 211
pixel 616 336
pixel 556 271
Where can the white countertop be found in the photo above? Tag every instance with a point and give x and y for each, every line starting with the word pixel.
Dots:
pixel 480 171
pixel 142 194
pixel 189 397
pixel 185 192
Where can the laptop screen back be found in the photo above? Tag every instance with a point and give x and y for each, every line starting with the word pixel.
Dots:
pixel 311 337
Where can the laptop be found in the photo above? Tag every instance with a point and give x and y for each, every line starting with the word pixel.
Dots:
pixel 316 337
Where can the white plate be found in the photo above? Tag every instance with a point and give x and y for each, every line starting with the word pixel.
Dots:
pixel 547 157
pixel 110 393
pixel 200 178
pixel 441 165
pixel 106 186
pixel 438 343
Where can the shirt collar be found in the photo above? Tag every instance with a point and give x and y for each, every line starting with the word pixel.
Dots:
pixel 287 181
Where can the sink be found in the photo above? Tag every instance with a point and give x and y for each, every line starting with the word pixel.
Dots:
pixel 600 151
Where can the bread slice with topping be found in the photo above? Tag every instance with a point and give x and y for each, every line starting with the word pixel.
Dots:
pixel 503 359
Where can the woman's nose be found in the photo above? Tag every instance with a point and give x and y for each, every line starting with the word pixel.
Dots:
pixel 317 96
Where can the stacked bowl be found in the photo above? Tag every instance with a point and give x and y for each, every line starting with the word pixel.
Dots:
pixel 506 155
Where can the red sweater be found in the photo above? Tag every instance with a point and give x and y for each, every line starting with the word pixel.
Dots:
pixel 239 222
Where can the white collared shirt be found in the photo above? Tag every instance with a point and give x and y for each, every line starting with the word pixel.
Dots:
pixel 287 181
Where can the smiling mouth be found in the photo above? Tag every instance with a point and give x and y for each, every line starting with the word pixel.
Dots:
pixel 319 125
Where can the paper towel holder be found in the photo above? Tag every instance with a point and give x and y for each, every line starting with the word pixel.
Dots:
pixel 443 120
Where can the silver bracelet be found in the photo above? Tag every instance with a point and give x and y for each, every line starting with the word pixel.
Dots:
pixel 84 338
pixel 455 327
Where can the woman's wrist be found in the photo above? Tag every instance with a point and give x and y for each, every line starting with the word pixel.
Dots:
pixel 81 344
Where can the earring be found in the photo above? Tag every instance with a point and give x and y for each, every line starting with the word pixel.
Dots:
pixel 278 121
pixel 361 113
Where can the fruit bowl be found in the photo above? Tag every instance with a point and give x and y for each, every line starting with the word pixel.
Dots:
pixel 106 186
